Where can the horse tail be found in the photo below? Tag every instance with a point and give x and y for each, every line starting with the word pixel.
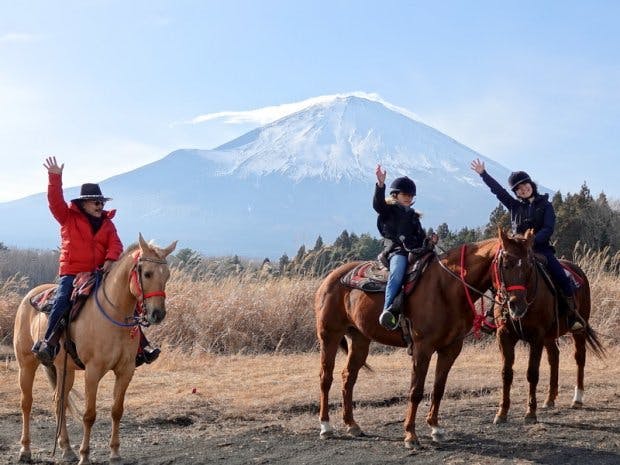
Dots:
pixel 344 346
pixel 71 406
pixel 594 343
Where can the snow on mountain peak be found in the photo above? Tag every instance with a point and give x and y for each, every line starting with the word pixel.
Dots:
pixel 345 137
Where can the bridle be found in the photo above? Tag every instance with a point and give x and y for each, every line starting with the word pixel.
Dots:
pixel 526 267
pixel 135 278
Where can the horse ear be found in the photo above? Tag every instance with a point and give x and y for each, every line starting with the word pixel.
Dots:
pixel 168 250
pixel 143 244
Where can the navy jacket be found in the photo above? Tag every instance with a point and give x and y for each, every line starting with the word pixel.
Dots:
pixel 538 215
pixel 398 225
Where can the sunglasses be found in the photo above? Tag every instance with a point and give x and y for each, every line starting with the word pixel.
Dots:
pixel 98 203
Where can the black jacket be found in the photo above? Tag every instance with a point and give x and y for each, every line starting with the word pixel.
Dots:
pixel 400 227
pixel 538 214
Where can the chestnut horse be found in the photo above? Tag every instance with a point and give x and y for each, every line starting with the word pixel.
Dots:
pixel 441 313
pixel 527 310
pixel 106 339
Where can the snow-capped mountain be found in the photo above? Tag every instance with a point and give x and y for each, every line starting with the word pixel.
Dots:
pixel 279 186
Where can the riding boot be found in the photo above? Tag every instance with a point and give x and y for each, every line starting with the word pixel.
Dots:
pixel 146 353
pixel 573 319
pixel 390 315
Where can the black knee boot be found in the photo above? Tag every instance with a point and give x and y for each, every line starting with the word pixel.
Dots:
pixel 146 353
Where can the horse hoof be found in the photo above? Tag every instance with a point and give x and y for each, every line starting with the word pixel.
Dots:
pixel 531 418
pixel 68 456
pixel 412 444
pixel 549 404
pixel 354 431
pixel 499 419
pixel 438 435
pixel 84 461
pixel 25 456
pixel 576 404
pixel 326 434
pixel 116 460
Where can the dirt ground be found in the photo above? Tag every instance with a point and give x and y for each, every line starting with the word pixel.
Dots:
pixel 209 430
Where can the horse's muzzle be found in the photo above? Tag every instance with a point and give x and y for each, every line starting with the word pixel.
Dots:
pixel 156 315
pixel 517 307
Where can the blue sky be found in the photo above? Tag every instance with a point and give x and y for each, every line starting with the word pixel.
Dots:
pixel 107 86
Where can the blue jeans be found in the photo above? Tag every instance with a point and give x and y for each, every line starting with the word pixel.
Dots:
pixel 398 267
pixel 61 303
pixel 558 274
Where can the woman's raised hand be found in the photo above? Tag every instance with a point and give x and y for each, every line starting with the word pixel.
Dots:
pixel 52 166
pixel 380 176
pixel 478 166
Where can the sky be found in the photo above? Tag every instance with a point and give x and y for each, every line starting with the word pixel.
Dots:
pixel 108 86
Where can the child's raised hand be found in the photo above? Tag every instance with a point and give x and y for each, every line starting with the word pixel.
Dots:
pixel 477 166
pixel 380 176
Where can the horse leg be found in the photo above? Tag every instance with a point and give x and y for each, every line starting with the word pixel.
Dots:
pixel 68 455
pixel 120 387
pixel 507 349
pixel 358 352
pixel 580 358
pixel 445 360
pixel 553 357
pixel 329 348
pixel 92 377
pixel 533 372
pixel 27 368
pixel 421 359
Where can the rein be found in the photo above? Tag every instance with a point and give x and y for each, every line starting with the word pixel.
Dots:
pixel 478 317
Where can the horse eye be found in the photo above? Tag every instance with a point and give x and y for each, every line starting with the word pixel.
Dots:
pixel 148 274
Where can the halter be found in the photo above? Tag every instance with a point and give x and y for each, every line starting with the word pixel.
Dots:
pixel 135 276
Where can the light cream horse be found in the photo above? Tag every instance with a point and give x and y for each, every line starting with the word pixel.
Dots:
pixel 105 334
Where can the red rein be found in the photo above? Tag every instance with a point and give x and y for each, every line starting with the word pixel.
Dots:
pixel 478 317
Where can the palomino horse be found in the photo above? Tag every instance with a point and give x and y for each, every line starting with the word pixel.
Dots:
pixel 106 339
pixel 440 309
pixel 532 317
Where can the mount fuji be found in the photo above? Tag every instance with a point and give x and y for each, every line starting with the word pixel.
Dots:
pixel 282 185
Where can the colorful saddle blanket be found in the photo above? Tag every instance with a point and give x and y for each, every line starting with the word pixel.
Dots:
pixel 83 285
pixel 371 276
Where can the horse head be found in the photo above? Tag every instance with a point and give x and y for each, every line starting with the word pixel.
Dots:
pixel 148 279
pixel 515 266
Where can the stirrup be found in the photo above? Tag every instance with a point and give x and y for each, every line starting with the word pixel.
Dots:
pixel 388 320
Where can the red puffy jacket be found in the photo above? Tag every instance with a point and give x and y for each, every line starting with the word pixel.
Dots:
pixel 80 249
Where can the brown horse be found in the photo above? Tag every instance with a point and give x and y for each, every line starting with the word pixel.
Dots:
pixel 106 339
pixel 441 314
pixel 527 310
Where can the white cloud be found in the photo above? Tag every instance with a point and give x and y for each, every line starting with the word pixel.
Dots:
pixel 266 115
pixel 17 37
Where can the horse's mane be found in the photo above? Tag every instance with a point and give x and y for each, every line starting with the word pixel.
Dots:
pixel 129 250
pixel 455 251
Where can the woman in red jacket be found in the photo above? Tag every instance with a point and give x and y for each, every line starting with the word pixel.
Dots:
pixel 88 241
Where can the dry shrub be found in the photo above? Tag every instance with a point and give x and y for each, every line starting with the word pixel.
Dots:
pixel 238 314
pixel 11 293
pixel 602 268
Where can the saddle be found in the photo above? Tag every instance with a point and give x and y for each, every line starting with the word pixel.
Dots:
pixel 371 276
pixel 83 285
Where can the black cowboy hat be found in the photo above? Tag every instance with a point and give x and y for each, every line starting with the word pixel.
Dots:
pixel 91 191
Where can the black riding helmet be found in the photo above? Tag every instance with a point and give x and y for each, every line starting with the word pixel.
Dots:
pixel 404 185
pixel 518 177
